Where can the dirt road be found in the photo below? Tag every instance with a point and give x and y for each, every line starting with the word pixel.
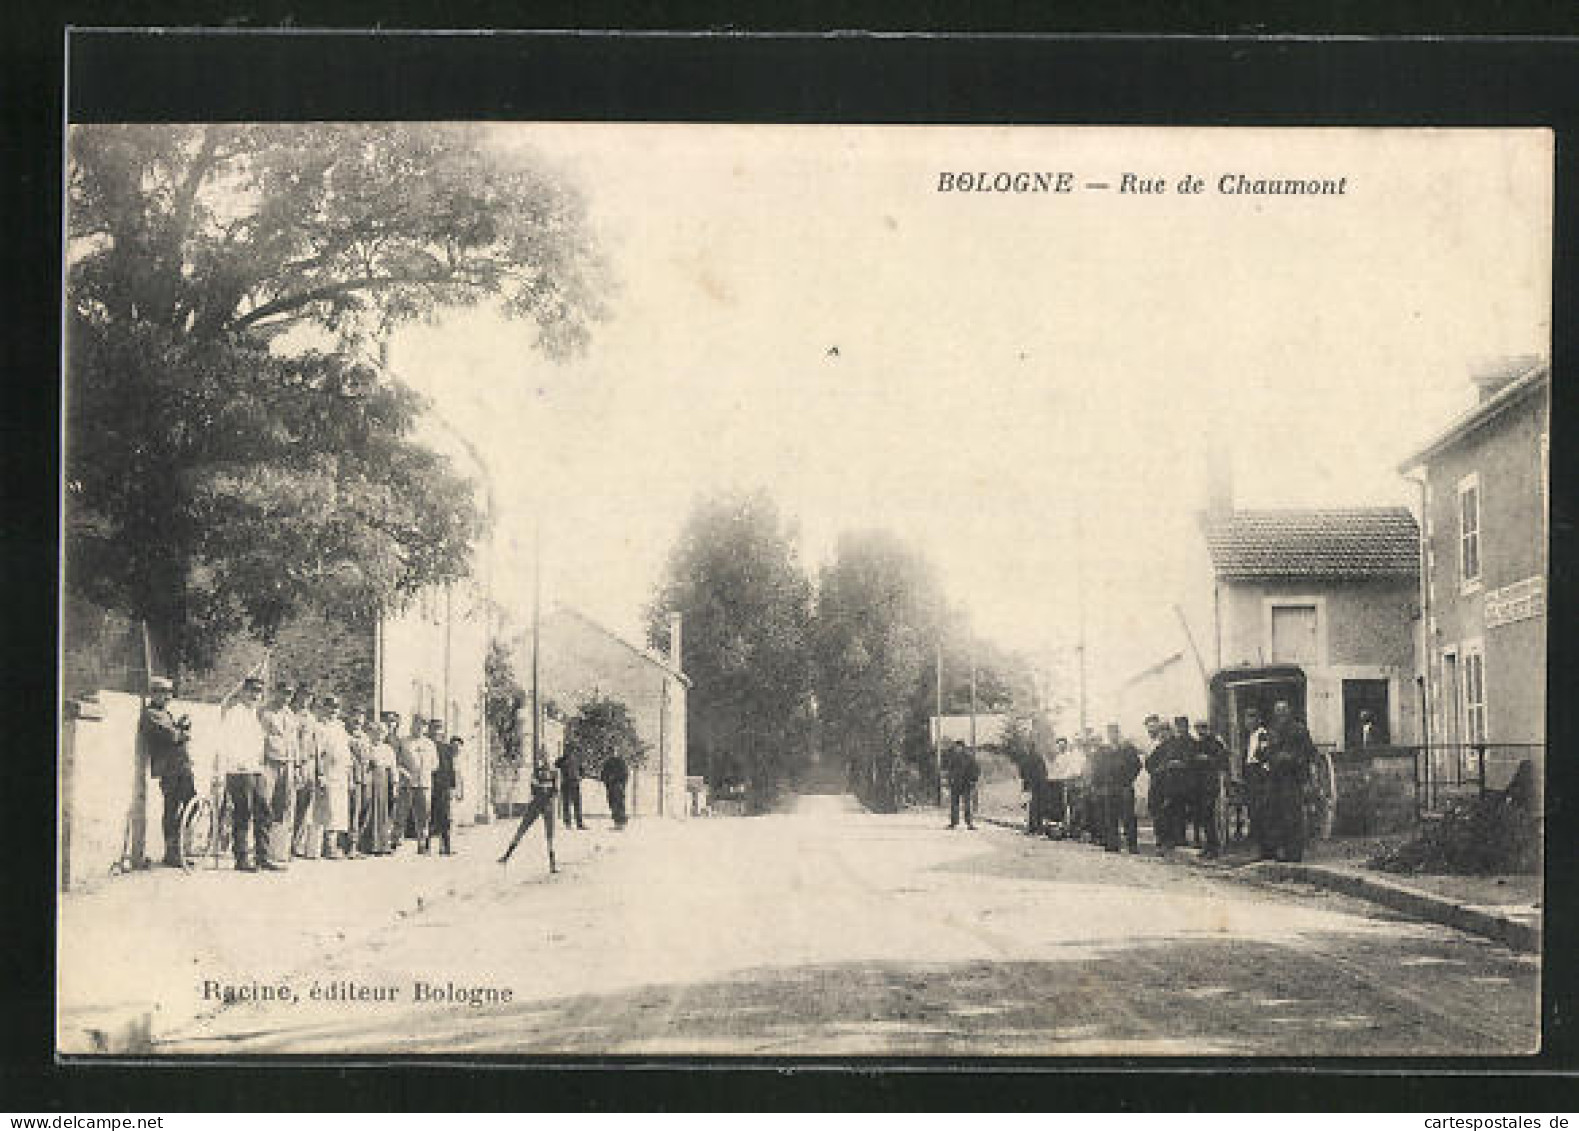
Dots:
pixel 827 930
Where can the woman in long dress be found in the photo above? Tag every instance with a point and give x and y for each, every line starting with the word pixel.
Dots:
pixel 357 795
pixel 334 800
pixel 380 771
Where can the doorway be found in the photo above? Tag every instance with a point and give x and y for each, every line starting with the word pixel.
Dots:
pixel 1361 696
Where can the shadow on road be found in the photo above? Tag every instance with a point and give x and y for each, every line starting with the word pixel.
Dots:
pixel 1207 998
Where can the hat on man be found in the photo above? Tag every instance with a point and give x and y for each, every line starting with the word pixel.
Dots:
pixel 160 683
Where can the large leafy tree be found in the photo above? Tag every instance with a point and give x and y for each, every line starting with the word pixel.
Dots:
pixel 878 614
pixel 736 579
pixel 234 454
pixel 601 728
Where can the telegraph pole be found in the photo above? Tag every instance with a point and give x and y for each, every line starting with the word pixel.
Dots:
pixel 937 727
pixel 1080 597
pixel 537 616
pixel 973 692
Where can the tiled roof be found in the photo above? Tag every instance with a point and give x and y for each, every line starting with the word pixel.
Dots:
pixel 1336 542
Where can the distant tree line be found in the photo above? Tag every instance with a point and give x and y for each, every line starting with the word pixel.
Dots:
pixel 842 668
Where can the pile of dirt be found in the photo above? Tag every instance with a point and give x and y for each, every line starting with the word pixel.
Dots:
pixel 1483 836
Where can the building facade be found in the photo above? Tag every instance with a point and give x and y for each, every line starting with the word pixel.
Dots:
pixel 430 660
pixel 1483 486
pixel 1332 591
pixel 579 659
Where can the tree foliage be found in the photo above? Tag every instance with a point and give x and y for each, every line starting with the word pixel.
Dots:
pixel 233 456
pixel 503 698
pixel 878 614
pixel 600 728
pixel 735 578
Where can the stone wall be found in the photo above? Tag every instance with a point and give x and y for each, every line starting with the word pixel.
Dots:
pixel 1376 792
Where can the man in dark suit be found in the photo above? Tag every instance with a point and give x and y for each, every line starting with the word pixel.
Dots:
pixel 963 772
pixel 1168 766
pixel 1291 756
pixel 569 766
pixel 615 774
pixel 1116 766
pixel 446 787
pixel 164 739
pixel 1209 762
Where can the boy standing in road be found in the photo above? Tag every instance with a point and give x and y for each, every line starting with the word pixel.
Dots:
pixel 541 805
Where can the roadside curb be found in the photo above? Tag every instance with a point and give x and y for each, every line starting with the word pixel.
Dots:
pixel 1417 904
pixel 1513 933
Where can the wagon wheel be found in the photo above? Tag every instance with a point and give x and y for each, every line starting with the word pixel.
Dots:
pixel 1321 799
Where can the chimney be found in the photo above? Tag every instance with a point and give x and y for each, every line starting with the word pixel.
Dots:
pixel 1492 375
pixel 1219 480
pixel 675 653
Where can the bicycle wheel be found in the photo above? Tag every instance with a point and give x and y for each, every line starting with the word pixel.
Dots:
pixel 1321 800
pixel 221 827
pixel 197 830
pixel 1221 817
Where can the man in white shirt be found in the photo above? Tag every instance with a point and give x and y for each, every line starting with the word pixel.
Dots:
pixel 279 763
pixel 1254 772
pixel 240 763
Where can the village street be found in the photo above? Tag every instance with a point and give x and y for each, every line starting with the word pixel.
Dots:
pixel 824 929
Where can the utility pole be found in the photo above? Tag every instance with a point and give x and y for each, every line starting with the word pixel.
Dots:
pixel 1080 597
pixel 537 616
pixel 973 692
pixel 937 727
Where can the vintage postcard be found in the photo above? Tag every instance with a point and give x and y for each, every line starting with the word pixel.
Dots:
pixel 791 591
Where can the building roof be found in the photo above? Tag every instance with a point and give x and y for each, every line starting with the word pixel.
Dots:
pixel 1510 394
pixel 990 729
pixel 1327 542
pixel 653 658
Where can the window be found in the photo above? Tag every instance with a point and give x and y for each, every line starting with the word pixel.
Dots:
pixel 1469 532
pixel 1474 693
pixel 1294 635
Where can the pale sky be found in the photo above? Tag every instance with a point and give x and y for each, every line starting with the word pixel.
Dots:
pixel 1009 367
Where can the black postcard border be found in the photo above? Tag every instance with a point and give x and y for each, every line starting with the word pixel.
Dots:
pixel 722 76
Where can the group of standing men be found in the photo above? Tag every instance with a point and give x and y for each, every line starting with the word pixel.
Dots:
pixel 307 778
pixel 1186 782
pixel 1088 788
pixel 1189 774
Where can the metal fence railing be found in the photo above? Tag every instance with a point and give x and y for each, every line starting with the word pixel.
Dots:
pixel 1457 771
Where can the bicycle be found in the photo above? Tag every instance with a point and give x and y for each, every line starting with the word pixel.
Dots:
pixel 205 830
